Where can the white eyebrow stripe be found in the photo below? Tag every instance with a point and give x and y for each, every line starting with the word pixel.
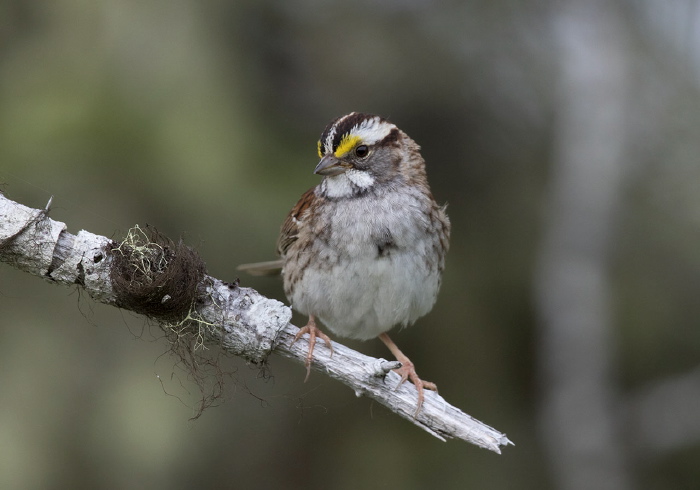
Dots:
pixel 369 131
pixel 372 131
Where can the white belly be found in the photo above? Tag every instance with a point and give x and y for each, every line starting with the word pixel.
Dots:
pixel 368 295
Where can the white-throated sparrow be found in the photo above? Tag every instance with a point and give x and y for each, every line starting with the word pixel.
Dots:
pixel 364 250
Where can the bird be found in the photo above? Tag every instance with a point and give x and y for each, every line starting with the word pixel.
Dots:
pixel 364 250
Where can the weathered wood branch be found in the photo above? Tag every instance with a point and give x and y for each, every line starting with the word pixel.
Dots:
pixel 240 320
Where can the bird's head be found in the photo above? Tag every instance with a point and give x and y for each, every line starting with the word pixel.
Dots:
pixel 359 151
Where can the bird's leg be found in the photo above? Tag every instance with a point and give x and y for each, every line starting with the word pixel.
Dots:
pixel 408 371
pixel 313 332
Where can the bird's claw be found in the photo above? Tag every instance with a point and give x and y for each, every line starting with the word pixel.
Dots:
pixel 313 332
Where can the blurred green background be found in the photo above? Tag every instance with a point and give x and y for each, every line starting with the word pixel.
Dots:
pixel 565 137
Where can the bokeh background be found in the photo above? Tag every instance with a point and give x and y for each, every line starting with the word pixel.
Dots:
pixel 565 137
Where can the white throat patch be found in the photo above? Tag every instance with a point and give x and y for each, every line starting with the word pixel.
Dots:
pixel 345 184
pixel 360 178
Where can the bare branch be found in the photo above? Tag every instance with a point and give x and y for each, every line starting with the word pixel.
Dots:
pixel 241 320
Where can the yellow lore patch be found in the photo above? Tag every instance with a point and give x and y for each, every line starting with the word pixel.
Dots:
pixel 346 145
pixel 320 151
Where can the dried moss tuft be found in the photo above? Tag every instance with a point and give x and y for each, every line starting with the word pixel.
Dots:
pixel 155 276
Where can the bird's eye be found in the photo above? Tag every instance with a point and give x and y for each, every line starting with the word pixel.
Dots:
pixel 362 151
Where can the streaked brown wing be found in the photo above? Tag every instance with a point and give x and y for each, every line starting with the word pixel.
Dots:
pixel 290 228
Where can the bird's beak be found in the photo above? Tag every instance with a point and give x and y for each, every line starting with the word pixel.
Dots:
pixel 330 165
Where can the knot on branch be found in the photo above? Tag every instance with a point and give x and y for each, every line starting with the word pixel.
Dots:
pixel 154 276
pixel 22 227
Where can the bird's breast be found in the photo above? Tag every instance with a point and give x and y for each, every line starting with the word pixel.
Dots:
pixel 371 267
